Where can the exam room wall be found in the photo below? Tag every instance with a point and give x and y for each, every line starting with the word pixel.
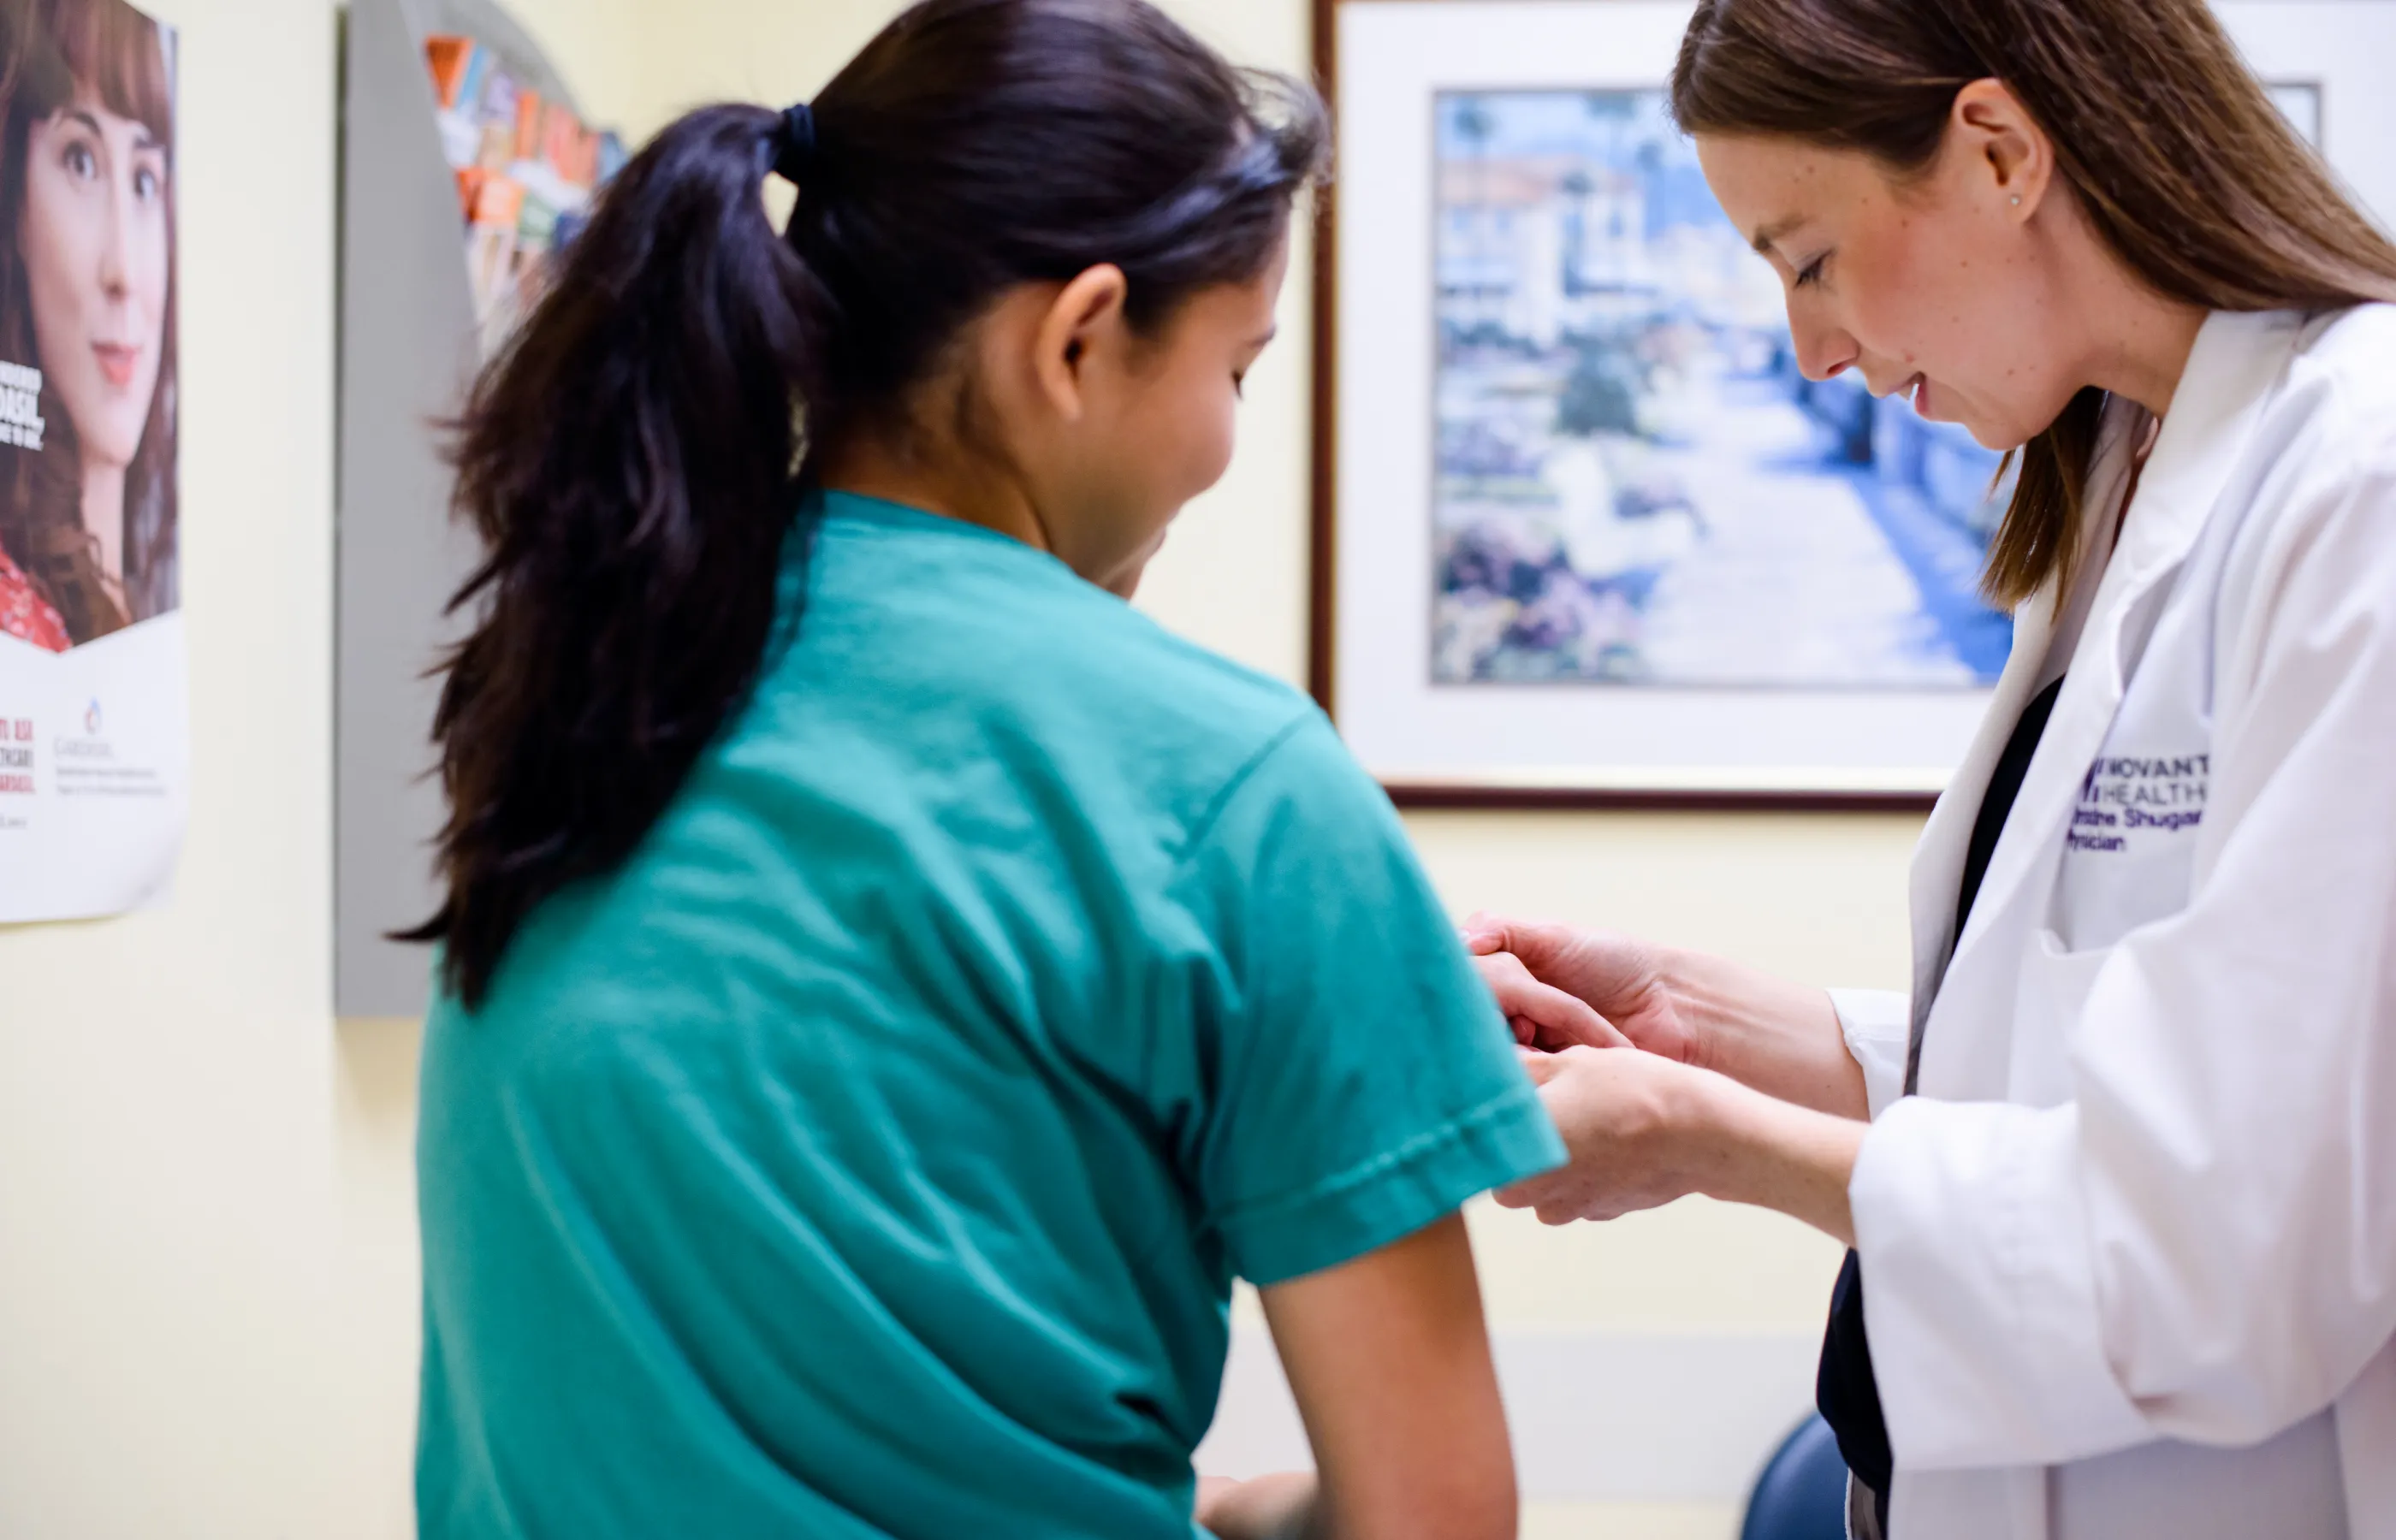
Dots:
pixel 207 1262
pixel 168 1192
pixel 1817 897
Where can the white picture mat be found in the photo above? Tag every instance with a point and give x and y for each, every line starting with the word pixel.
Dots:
pixel 1394 57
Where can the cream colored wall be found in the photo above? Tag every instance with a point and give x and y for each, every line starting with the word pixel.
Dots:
pixel 596 45
pixel 167 1185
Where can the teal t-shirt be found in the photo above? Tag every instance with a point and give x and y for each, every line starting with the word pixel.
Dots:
pixel 873 1154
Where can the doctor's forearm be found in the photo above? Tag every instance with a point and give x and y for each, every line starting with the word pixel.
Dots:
pixel 1772 1154
pixel 1781 1038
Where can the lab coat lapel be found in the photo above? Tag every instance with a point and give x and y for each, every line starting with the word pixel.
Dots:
pixel 1937 872
pixel 2237 358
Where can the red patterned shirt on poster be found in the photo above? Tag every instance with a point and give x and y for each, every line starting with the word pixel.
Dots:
pixel 24 614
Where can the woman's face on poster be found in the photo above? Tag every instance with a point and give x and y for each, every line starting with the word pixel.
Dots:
pixel 94 240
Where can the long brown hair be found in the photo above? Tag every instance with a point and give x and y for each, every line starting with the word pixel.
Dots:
pixel 106 46
pixel 2186 169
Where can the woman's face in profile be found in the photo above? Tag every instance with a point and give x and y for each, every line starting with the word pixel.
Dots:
pixel 94 242
pixel 1931 287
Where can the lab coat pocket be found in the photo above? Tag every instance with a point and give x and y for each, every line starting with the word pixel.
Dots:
pixel 2055 983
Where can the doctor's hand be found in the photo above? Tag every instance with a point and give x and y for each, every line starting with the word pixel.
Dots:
pixel 1542 1016
pixel 1780 1037
pixel 1621 979
pixel 1631 1130
pixel 1641 1131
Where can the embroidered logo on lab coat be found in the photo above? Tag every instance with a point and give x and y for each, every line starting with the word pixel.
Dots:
pixel 2128 795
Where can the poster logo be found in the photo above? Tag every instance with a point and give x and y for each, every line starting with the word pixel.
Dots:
pixel 91 719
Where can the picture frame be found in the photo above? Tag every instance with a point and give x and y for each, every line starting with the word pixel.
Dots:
pixel 1581 536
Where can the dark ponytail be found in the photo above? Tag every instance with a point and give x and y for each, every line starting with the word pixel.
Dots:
pixel 634 460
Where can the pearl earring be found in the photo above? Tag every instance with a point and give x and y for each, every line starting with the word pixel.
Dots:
pixel 2017 200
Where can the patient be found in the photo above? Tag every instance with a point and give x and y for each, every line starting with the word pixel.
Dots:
pixel 890 988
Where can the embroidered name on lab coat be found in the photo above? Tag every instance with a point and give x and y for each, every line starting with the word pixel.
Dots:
pixel 2124 794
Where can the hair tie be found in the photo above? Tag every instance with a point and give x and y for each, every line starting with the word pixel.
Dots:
pixel 794 156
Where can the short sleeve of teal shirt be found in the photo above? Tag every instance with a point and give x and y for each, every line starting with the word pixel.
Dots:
pixel 1350 1079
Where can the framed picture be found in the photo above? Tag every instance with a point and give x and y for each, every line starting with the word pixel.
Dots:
pixel 1584 535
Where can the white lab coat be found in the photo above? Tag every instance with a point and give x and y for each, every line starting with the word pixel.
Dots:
pixel 2145 1204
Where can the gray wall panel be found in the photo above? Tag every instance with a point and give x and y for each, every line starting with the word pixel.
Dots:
pixel 407 348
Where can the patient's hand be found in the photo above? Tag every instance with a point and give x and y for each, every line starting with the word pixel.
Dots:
pixel 1270 1508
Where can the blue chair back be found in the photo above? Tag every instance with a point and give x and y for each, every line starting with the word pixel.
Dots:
pixel 1802 1492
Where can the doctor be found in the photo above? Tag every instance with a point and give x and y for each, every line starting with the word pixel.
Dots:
pixel 2126 1265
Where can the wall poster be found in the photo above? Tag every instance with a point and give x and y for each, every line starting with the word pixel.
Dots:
pixel 94 717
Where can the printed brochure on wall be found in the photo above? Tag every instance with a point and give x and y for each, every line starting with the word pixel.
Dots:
pixel 526 167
